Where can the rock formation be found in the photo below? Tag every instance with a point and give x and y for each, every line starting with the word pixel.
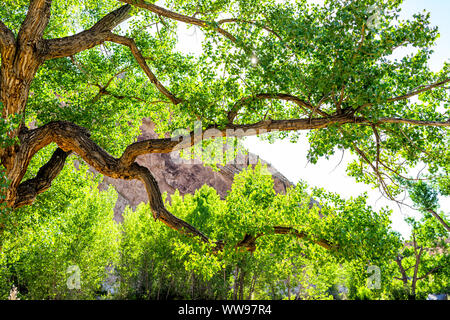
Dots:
pixel 172 174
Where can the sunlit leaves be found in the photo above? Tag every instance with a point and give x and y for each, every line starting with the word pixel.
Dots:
pixel 71 225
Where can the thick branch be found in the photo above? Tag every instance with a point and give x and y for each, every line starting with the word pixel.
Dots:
pixel 249 241
pixel 72 138
pixel 179 17
pixel 6 37
pixel 402 270
pixel 68 46
pixel 416 267
pixel 36 21
pixel 28 190
pixel 420 90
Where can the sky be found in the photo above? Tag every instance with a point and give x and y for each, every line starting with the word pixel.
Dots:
pixel 290 158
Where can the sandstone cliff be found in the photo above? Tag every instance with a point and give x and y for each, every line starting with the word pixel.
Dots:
pixel 172 175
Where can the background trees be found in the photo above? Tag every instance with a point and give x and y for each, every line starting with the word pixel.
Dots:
pixel 278 266
pixel 68 233
pixel 141 259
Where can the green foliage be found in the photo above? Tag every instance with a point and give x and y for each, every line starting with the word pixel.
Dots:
pixel 321 54
pixel 8 125
pixel 433 264
pixel 423 195
pixel 71 226
pixel 157 260
pixel 143 259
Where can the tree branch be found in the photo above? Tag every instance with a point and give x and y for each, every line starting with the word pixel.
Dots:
pixel 97 34
pixel 35 22
pixel 415 122
pixel 439 218
pixel 434 270
pixel 179 17
pixel 167 145
pixel 378 142
pixel 28 190
pixel 6 38
pixel 143 64
pixel 249 241
pixel 72 138
pixel 402 270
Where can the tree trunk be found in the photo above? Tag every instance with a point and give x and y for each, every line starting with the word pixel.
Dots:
pixel 416 267
pixel 252 287
pixel 241 284
pixel 235 284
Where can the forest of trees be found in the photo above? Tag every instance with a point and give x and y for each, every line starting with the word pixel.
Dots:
pixel 77 78
pixel 141 259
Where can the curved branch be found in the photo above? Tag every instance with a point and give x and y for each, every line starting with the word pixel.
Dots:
pixel 28 190
pixel 68 46
pixel 249 241
pixel 179 17
pixel 72 138
pixel 143 64
pixel 36 21
pixel 420 90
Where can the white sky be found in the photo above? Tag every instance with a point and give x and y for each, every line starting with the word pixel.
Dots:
pixel 290 158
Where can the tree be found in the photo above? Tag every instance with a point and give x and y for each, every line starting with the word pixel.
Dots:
pixel 63 246
pixel 85 74
pixel 422 265
pixel 158 262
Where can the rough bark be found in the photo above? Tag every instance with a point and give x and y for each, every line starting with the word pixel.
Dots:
pixel 97 34
pixel 28 190
pixel 72 138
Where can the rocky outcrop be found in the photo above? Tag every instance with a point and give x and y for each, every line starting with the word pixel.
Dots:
pixel 172 174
